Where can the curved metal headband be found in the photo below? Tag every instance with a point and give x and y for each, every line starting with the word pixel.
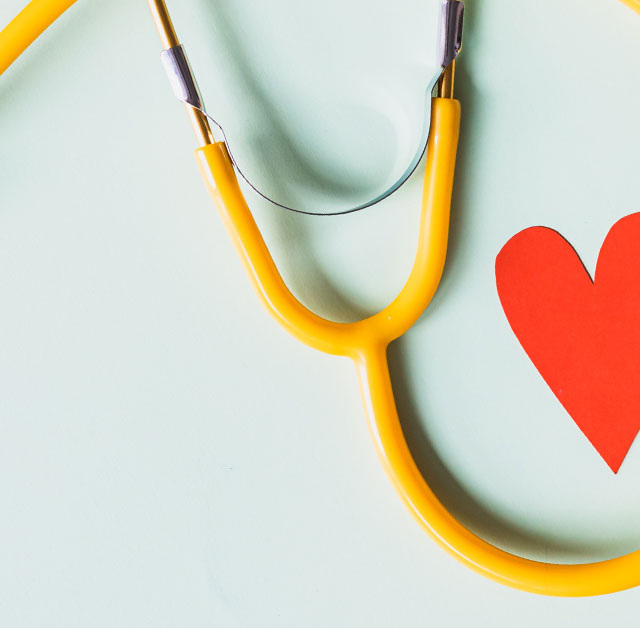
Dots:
pixel 186 90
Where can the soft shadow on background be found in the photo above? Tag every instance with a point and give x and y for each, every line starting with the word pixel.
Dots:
pixel 320 288
pixel 291 226
pixel 477 515
pixel 263 107
pixel 284 162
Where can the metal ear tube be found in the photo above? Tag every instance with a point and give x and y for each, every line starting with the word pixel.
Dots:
pixel 185 88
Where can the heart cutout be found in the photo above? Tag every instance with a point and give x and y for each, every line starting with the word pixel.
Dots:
pixel 583 336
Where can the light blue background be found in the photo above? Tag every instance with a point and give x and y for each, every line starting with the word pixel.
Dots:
pixel 170 457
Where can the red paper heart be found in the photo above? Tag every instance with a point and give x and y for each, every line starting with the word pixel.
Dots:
pixel 583 336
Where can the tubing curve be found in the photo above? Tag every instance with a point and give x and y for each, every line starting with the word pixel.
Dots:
pixel 346 339
pixel 366 343
pixel 599 578
pixel 27 26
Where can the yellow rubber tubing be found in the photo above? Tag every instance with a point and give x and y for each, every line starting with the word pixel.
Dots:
pixel 366 341
pixel 27 26
pixel 633 4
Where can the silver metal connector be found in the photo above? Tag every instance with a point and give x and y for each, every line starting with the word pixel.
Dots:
pixel 450 31
pixel 183 82
pixel 185 88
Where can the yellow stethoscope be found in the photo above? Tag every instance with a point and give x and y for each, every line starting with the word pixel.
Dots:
pixel 366 341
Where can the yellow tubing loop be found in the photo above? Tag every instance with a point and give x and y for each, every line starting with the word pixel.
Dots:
pixel 366 341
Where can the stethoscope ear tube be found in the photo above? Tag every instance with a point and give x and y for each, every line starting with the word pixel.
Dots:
pixel 185 88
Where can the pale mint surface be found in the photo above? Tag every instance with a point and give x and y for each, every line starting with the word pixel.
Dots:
pixel 170 457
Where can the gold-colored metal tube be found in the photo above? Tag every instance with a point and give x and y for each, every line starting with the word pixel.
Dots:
pixel 163 23
pixel 169 39
pixel 445 83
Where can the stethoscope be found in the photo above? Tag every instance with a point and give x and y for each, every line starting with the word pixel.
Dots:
pixel 365 341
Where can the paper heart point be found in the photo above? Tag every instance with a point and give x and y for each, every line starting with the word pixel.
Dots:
pixel 583 336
